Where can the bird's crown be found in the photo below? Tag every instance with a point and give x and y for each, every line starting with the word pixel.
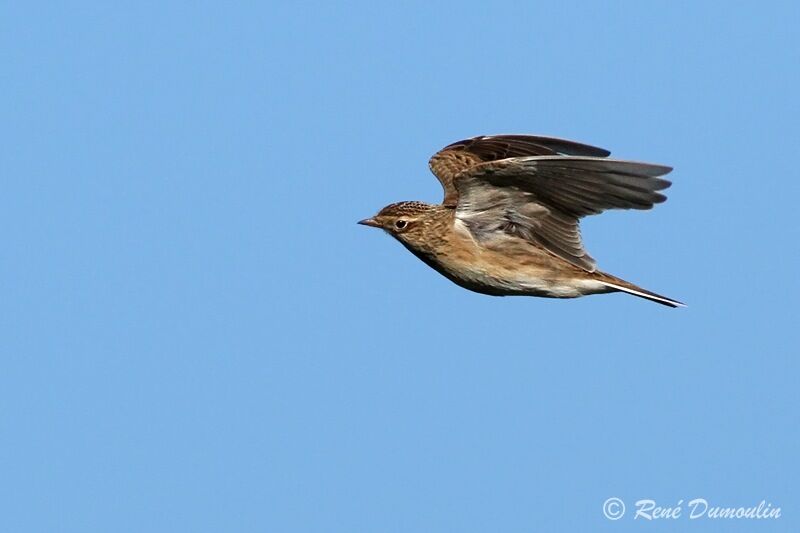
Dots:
pixel 404 209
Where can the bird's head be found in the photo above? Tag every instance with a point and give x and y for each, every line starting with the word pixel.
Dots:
pixel 405 221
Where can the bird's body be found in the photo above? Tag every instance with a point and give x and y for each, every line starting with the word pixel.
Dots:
pixel 508 225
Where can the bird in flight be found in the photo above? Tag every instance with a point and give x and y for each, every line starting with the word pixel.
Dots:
pixel 509 221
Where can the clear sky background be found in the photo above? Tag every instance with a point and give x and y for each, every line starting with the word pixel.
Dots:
pixel 196 336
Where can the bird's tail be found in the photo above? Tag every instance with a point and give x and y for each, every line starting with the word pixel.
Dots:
pixel 621 285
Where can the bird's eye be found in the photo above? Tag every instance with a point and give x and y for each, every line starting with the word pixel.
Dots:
pixel 400 224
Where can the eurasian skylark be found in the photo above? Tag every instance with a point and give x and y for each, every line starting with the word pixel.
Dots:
pixel 508 224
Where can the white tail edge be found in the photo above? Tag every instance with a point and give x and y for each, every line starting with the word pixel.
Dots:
pixel 647 295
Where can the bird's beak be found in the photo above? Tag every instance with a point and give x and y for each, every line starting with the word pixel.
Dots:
pixel 369 222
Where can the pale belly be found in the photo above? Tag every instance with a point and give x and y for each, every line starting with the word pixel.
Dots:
pixel 527 283
pixel 532 273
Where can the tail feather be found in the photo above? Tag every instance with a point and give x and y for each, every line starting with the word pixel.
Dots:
pixel 621 285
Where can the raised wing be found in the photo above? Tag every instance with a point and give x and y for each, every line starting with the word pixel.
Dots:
pixel 541 199
pixel 462 155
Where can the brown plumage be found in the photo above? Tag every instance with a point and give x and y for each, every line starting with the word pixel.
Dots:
pixel 509 221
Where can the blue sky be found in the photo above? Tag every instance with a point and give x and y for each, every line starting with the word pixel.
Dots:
pixel 197 336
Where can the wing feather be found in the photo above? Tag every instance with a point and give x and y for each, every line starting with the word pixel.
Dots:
pixel 455 158
pixel 542 198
